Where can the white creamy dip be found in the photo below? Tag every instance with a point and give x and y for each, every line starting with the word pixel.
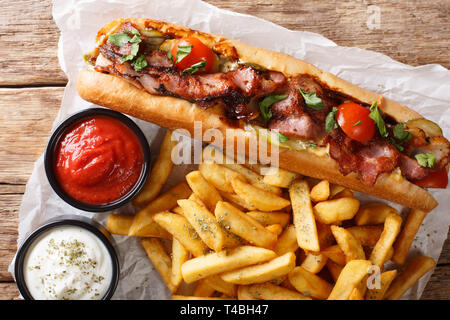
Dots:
pixel 67 263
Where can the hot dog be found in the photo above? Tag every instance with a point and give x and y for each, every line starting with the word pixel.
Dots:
pixel 326 127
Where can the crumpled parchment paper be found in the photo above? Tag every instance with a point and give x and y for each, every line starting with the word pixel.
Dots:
pixel 425 89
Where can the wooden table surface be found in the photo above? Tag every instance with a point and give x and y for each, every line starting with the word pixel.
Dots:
pixel 32 84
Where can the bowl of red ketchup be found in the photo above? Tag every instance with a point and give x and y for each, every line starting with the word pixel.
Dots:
pixel 97 160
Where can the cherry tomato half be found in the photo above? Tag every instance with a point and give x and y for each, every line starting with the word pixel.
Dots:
pixel 438 179
pixel 355 122
pixel 198 53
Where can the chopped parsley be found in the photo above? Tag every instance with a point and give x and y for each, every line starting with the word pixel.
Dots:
pixel 282 138
pixel 426 159
pixel 264 106
pixel 330 120
pixel 312 100
pixel 375 115
pixel 196 67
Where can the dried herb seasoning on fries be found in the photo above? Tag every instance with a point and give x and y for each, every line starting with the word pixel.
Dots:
pixel 238 234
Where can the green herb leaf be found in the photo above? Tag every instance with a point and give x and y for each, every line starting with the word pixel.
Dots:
pixel 312 100
pixel 396 144
pixel 169 55
pixel 330 120
pixel 183 51
pixel 400 132
pixel 135 39
pixel 357 123
pixel 282 138
pixel 140 63
pixel 133 52
pixel 426 159
pixel 196 67
pixel 119 39
pixel 376 116
pixel 267 102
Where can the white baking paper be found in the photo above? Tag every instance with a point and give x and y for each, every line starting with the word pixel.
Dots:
pixel 425 89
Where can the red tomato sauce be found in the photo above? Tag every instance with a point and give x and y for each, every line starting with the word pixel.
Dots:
pixel 98 160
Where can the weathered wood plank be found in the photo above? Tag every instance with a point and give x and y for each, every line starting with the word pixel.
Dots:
pixel 29 39
pixel 438 288
pixel 8 291
pixel 413 32
pixel 26 117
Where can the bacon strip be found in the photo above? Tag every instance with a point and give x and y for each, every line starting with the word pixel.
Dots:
pixel 369 160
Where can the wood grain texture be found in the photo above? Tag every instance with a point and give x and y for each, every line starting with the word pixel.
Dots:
pixel 29 39
pixel 26 117
pixel 413 32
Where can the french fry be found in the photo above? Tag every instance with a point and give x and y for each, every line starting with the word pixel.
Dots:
pixel 391 229
pixel 219 176
pixel 407 235
pixel 386 279
pixel 287 241
pixel 335 189
pixel 254 178
pixel 264 272
pixel 203 289
pixel 279 177
pixel 276 229
pixel 220 285
pixel 181 230
pixel 349 278
pixel 215 155
pixel 268 218
pixel 348 243
pixel 223 261
pixel 194 197
pixel 314 262
pixel 412 272
pixel 356 295
pixel 231 240
pixel 326 238
pixel 346 193
pixel 178 210
pixel 143 224
pixel 268 291
pixel 367 235
pixel 180 297
pixel 158 174
pixel 336 210
pixel 160 260
pixel 321 191
pixel 373 213
pixel 303 216
pixel 204 223
pixel 243 293
pixel 335 254
pixel 203 189
pixel 334 268
pixel 241 224
pixel 309 284
pixel 261 199
pixel 179 256
pixel 237 201
pixel 119 223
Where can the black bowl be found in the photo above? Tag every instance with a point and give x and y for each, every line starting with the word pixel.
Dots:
pixel 67 220
pixel 50 152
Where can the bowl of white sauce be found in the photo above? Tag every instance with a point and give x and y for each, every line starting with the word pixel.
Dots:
pixel 67 258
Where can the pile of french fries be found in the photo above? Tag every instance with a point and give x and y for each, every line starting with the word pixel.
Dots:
pixel 240 234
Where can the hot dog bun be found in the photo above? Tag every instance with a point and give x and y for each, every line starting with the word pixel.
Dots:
pixel 115 93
